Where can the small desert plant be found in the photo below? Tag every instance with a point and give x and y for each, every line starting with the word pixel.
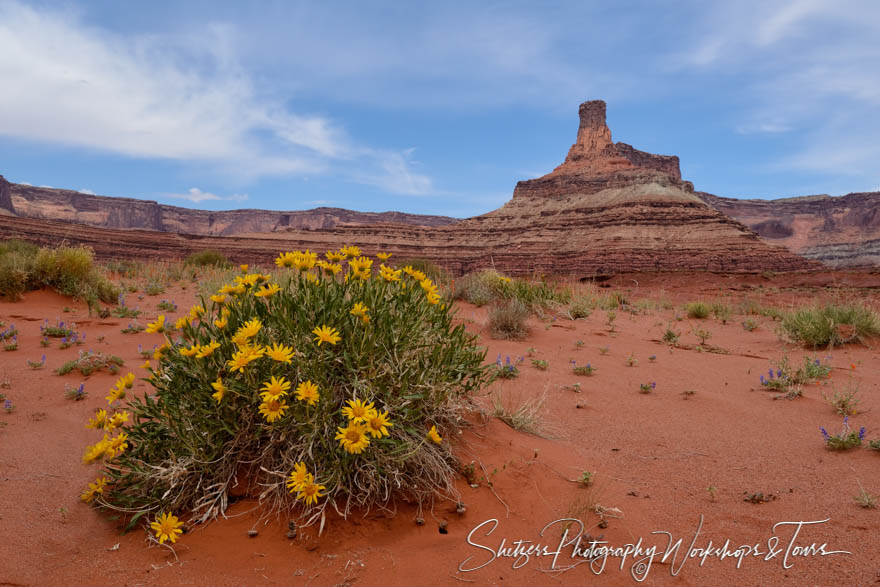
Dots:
pixel 11 344
pixel 167 306
pixel 652 358
pixel 874 444
pixel 540 364
pixel 133 328
pixel 721 312
pixel 507 319
pixel 831 325
pixel 587 369
pixel 864 499
pixel 845 439
pixel 631 360
pixel 581 307
pixel 749 324
pixel 698 310
pixel 59 330
pixel 845 402
pixel 37 364
pixel 647 387
pixel 506 369
pixel 207 258
pixel 703 335
pixel 610 317
pixel 89 362
pixel 671 336
pixel 604 350
pixel 8 405
pixel 587 478
pixel 75 393
pixel 154 288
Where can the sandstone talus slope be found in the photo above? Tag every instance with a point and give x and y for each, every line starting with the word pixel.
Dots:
pixel 841 231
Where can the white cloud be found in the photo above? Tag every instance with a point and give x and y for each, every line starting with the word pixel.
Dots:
pixel 196 195
pixel 48 187
pixel 25 183
pixel 807 67
pixel 85 191
pixel 156 97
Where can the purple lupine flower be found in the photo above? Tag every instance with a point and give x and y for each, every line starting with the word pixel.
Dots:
pixel 43 360
pixel 498 360
pixel 779 373
pixel 588 366
pixel 861 433
pixel 653 385
pixel 825 434
pixel 507 360
pixel 7 405
pixel 61 325
pixel 762 380
pixel 817 362
pixel 771 373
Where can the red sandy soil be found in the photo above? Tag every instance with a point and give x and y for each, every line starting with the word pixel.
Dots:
pixel 654 456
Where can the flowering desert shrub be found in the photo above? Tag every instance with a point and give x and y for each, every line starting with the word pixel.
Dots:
pixel 318 387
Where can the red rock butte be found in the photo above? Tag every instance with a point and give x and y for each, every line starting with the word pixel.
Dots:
pixel 608 208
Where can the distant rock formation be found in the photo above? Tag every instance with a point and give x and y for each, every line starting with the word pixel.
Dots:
pixel 608 208
pixel 107 212
pixel 842 231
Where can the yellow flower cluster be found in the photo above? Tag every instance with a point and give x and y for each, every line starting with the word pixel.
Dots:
pixel 303 261
pixel 118 391
pixel 167 527
pixel 303 484
pixel 364 420
pixel 361 267
pixel 108 447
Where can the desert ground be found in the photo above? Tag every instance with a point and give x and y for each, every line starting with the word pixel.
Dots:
pixel 707 455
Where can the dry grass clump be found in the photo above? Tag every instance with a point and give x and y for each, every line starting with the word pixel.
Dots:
pixel 507 320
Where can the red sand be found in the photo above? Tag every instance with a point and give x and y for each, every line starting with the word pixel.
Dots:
pixel 654 456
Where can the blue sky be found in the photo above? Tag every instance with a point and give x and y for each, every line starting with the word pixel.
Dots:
pixel 430 107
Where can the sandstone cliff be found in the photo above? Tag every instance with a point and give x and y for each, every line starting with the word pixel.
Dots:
pixel 608 208
pixel 841 231
pixel 127 213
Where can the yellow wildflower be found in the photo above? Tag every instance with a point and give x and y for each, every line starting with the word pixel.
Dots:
pixel 274 388
pixel 353 438
pixel 189 351
pixel 298 477
pixel 181 322
pixel 267 291
pixel 167 527
pixel 307 392
pixel 98 421
pixel 326 334
pixel 244 267
pixel 358 410
pixel 96 451
pixel 334 256
pixel 434 436
pixel 310 492
pixel 383 256
pixel 206 350
pixel 94 489
pixel 378 424
pixel 117 445
pixel 279 352
pixel 389 274
pixel 273 409
pixel 219 390
pixel 158 325
pixel 360 311
pixel 218 299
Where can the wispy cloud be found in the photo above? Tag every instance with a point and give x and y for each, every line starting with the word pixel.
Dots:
pixel 159 98
pixel 85 191
pixel 196 195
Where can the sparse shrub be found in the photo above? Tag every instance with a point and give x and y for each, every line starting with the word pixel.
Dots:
pixel 671 336
pixel 698 310
pixel 133 328
pixel 207 258
pixel 864 499
pixel 831 325
pixel 37 364
pixel 70 271
pixel 647 387
pixel 540 364
pixel 604 350
pixel 507 319
pixel 154 288
pixel 610 317
pixel 301 431
pixel 581 307
pixel 845 439
pixel 703 335
pixel 587 369
pixel 721 312
pixel 845 402
pixel 167 306
pixel 749 324
pixel 486 286
pixel 75 393
pixel 631 360
pixel 89 362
